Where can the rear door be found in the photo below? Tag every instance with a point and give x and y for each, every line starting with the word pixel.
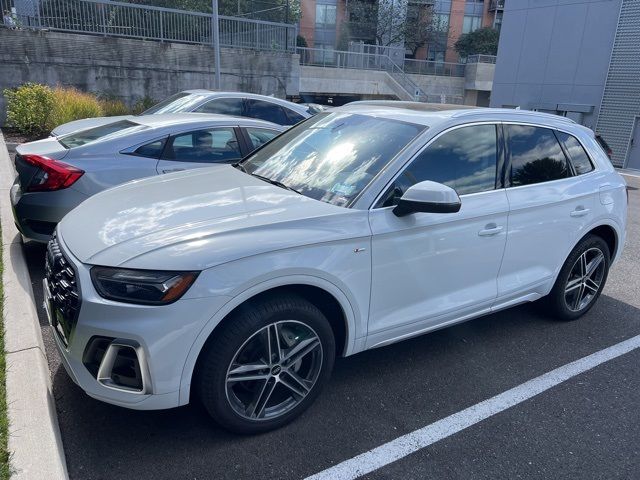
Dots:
pixel 549 208
pixel 200 148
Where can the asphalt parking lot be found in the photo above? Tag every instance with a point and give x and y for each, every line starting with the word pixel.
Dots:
pixel 586 427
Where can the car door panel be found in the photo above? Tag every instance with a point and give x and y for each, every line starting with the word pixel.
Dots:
pixel 427 266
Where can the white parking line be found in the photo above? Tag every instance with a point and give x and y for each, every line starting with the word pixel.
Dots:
pixel 418 439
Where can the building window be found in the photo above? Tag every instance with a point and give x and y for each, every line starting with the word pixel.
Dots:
pixel 325 15
pixel 471 23
pixel 440 22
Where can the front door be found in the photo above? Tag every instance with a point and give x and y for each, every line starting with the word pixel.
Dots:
pixel 427 268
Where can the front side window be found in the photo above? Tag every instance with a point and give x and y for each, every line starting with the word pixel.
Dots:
pixel 260 136
pixel 103 132
pixel 332 157
pixel 214 145
pixel 223 106
pixel 577 155
pixel 465 159
pixel 267 111
pixel 535 155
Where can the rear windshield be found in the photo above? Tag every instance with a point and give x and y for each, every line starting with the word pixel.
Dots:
pixel 77 139
pixel 180 102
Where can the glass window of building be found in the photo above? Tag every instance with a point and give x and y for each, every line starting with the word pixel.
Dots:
pixel 325 15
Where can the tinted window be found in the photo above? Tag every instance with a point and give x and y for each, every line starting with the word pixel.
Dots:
pixel 152 150
pixel 210 146
pixel 464 159
pixel 332 157
pixel 577 155
pixel 102 132
pixel 225 106
pixel 536 155
pixel 267 111
pixel 293 116
pixel 260 136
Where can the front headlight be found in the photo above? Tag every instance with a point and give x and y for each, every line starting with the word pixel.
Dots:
pixel 147 287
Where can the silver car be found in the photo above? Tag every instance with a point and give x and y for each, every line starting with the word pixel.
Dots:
pixel 239 104
pixel 56 174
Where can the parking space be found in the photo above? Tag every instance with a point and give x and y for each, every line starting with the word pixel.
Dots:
pixel 585 427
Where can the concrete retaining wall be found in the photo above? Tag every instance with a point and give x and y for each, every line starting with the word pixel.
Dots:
pixel 131 69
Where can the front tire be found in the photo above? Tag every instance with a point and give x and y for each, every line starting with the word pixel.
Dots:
pixel 266 364
pixel 580 280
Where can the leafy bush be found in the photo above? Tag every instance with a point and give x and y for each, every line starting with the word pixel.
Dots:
pixel 483 41
pixel 143 104
pixel 112 107
pixel 71 104
pixel 28 108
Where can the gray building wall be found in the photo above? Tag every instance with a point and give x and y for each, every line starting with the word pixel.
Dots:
pixel 620 109
pixel 554 56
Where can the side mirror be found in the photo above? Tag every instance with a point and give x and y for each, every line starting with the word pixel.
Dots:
pixel 428 197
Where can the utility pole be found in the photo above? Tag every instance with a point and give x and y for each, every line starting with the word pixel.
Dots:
pixel 215 31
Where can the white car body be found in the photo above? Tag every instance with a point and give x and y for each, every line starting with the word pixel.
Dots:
pixel 197 101
pixel 393 277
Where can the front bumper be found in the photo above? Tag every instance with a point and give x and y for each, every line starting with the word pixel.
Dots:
pixel 36 214
pixel 161 336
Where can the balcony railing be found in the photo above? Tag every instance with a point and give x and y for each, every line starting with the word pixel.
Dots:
pixel 481 59
pixel 496 5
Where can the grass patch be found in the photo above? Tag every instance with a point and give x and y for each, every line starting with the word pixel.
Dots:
pixel 5 471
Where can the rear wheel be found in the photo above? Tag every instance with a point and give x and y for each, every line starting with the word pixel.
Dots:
pixel 266 364
pixel 581 279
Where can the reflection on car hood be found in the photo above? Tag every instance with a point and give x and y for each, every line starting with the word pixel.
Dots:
pixel 84 124
pixel 198 219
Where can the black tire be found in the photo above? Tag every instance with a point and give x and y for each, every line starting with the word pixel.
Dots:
pixel 556 302
pixel 244 324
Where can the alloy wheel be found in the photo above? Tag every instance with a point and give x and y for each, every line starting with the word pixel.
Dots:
pixel 585 279
pixel 274 370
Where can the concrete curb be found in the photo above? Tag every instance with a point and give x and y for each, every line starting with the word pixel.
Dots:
pixel 34 442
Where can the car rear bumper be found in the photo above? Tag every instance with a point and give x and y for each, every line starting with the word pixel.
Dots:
pixel 36 214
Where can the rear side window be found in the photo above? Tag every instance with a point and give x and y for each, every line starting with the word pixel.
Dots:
pixel 577 155
pixel 267 111
pixel 465 159
pixel 224 106
pixel 216 145
pixel 535 155
pixel 151 150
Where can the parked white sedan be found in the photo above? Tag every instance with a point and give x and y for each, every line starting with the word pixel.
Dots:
pixel 360 227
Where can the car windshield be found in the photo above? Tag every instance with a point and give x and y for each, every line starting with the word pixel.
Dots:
pixel 103 132
pixel 180 102
pixel 333 156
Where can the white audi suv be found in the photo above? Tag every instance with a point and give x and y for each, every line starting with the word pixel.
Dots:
pixel 359 227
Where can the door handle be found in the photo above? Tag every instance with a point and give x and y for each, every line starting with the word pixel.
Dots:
pixel 489 230
pixel 579 212
pixel 171 170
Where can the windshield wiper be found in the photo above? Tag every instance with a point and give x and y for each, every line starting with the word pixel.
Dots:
pixel 240 167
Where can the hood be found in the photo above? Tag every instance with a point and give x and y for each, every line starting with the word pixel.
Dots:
pixel 85 123
pixel 200 218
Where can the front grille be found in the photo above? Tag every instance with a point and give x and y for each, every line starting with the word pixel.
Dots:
pixel 64 303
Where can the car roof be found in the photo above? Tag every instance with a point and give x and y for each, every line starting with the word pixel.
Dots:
pixel 414 112
pixel 195 119
pixel 285 103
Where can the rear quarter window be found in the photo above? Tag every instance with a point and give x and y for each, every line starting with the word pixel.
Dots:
pixel 577 154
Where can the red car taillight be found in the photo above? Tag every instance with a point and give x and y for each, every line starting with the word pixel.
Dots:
pixel 52 174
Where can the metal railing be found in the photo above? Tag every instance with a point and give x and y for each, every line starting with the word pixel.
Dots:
pixel 481 59
pixel 427 67
pixel 319 57
pixel 496 5
pixel 120 19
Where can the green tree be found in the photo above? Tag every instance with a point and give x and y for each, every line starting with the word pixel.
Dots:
pixel 483 41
